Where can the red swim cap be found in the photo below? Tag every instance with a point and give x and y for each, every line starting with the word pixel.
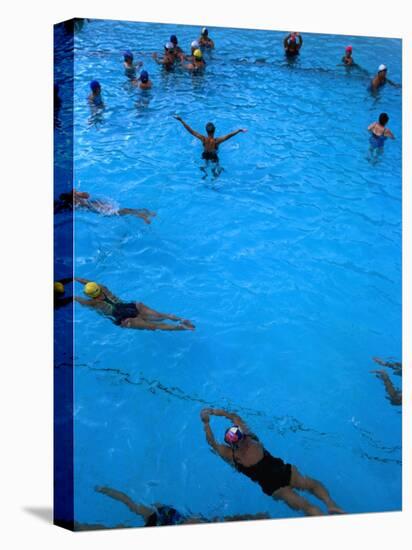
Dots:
pixel 348 49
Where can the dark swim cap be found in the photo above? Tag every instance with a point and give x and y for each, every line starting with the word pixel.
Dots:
pixel 173 39
pixel 95 85
pixel 210 128
pixel 144 76
pixel 383 119
pixel 128 55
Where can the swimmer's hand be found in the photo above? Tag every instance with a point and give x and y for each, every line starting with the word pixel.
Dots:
pixel 205 415
pixel 243 130
pixel 381 374
pixel 177 117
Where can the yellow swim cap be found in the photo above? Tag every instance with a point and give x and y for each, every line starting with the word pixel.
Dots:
pixel 58 288
pixel 92 290
pixel 198 54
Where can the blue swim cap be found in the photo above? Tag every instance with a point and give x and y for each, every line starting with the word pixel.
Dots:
pixel 144 76
pixel 128 54
pixel 94 85
pixel 173 39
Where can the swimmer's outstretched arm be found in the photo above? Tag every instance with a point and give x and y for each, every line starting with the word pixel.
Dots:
pixel 394 395
pixel 220 140
pixel 231 416
pixel 222 450
pixel 138 509
pixel 391 364
pixel 85 302
pixel 189 129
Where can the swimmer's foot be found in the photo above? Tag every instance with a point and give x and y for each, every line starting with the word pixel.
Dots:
pixel 335 510
pixel 188 324
pixel 379 361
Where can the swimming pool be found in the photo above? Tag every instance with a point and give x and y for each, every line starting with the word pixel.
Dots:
pixel 289 264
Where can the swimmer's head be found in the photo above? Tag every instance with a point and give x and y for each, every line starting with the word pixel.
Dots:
pixel 173 39
pixel 292 39
pixel 233 435
pixel 92 290
pixel 382 68
pixel 210 128
pixel 128 56
pixel 58 288
pixel 194 45
pixel 348 49
pixel 198 54
pixel 383 119
pixel 95 86
pixel 205 32
pixel 144 77
pixel 169 46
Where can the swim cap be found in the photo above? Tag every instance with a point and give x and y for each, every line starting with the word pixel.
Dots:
pixel 382 68
pixel 144 76
pixel 198 54
pixel 233 435
pixel 348 49
pixel 58 288
pixel 94 85
pixel 92 290
pixel 173 39
pixel 128 55
pixel 194 44
pixel 205 31
pixel 169 45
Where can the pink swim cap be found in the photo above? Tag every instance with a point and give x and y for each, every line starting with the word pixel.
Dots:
pixel 348 49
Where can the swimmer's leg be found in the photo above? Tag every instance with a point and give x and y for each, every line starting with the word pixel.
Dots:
pixel 304 483
pixel 141 324
pixel 296 502
pixel 142 213
pixel 394 395
pixel 138 509
pixel 149 314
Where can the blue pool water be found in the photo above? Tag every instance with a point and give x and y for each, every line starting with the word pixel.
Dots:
pixel 289 264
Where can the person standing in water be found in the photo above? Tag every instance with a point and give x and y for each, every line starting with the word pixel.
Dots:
pixel 292 44
pixel 168 58
pixel 143 82
pixel 379 134
pixel 347 59
pixel 209 141
pixel 95 98
pixel 198 63
pixel 244 451
pixel 130 67
pixel 381 78
pixel 205 41
pixel 134 315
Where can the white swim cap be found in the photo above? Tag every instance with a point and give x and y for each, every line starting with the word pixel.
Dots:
pixel 169 45
pixel 382 68
pixel 194 44
pixel 205 30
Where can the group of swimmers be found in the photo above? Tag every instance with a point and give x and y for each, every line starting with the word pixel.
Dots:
pixel 240 448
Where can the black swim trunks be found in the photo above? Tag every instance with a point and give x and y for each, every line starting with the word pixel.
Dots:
pixel 122 311
pixel 210 155
pixel 271 473
pixel 164 515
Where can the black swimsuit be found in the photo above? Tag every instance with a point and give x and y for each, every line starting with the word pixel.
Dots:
pixel 121 310
pixel 270 472
pixel 210 155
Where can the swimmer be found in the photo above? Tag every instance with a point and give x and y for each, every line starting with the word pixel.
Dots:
pixel 193 46
pixel 379 134
pixel 210 142
pixel 143 82
pixel 166 515
pixel 95 98
pixel 205 41
pixel 244 451
pixel 60 300
pixel 129 66
pixel 292 44
pixel 177 50
pixel 81 199
pixel 198 63
pixel 380 79
pixel 134 315
pixel 394 395
pixel 168 58
pixel 347 59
